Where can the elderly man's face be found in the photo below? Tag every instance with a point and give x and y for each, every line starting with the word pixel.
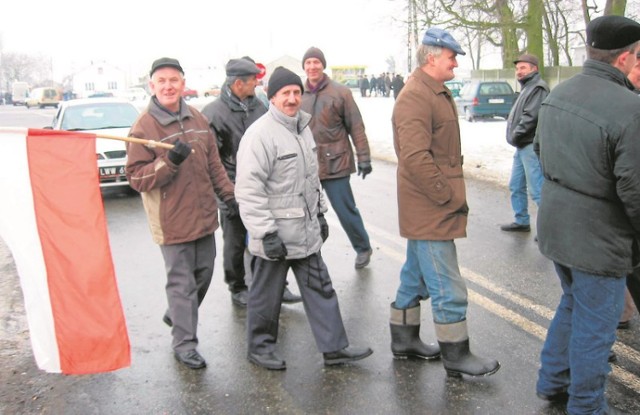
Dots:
pixel 167 84
pixel 287 99
pixel 523 69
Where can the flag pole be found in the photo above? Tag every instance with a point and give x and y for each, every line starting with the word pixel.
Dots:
pixel 148 143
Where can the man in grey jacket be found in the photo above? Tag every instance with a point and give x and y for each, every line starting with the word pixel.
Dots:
pixel 521 128
pixel 589 218
pixel 281 205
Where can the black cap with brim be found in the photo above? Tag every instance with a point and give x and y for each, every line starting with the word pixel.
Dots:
pixel 612 32
pixel 165 62
pixel 241 67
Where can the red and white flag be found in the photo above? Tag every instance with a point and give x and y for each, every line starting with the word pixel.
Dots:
pixel 52 218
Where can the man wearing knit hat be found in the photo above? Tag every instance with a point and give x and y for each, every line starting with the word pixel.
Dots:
pixel 229 117
pixel 335 118
pixel 281 204
pixel 589 217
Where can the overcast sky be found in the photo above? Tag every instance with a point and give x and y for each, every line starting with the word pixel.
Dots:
pixel 132 33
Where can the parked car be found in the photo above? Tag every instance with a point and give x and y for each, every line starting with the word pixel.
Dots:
pixel 135 94
pixel 454 87
pixel 189 93
pixel 101 95
pixel 109 116
pixel 485 99
pixel 43 97
pixel 214 91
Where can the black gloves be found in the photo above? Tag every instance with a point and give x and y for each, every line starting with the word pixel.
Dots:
pixel 179 152
pixel 274 247
pixel 364 168
pixel 324 227
pixel 233 209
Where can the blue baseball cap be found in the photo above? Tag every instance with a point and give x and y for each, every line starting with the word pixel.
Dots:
pixel 440 37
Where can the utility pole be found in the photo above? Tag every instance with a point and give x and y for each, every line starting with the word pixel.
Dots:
pixel 409 36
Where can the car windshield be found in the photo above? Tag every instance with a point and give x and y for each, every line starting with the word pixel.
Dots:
pixel 98 116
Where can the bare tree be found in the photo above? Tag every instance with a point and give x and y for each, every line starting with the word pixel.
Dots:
pixel 23 67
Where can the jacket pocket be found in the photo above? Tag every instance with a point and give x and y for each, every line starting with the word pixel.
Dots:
pixel 334 156
pixel 291 224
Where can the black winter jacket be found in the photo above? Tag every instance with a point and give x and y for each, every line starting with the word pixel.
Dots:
pixel 523 118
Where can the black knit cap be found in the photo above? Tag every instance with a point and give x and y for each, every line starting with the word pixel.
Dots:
pixel 314 52
pixel 165 62
pixel 280 78
pixel 612 32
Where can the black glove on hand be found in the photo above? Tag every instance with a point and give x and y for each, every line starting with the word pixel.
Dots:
pixel 179 152
pixel 274 247
pixel 233 209
pixel 364 168
pixel 324 227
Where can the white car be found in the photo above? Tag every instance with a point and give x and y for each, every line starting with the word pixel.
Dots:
pixel 108 116
pixel 135 94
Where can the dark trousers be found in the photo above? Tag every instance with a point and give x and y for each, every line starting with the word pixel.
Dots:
pixel 318 297
pixel 343 203
pixel 633 285
pixel 189 269
pixel 234 236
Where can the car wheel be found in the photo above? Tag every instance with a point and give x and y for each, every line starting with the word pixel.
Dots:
pixel 468 115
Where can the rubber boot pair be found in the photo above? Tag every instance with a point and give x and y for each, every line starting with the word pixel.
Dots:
pixel 456 354
pixel 405 335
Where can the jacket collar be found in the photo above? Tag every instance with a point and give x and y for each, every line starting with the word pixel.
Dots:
pixel 321 85
pixel 166 117
pixel 606 71
pixel 234 103
pixel 531 77
pixel 437 87
pixel 294 124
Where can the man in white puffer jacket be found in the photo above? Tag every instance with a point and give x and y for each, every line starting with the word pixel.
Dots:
pixel 282 207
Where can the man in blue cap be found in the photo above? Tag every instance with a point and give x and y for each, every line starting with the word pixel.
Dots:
pixel 432 212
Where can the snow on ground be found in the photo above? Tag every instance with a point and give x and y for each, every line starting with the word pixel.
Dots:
pixel 487 155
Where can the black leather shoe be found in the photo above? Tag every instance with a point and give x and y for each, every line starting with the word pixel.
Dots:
pixel 239 298
pixel 346 355
pixel 167 320
pixel 624 325
pixel 515 227
pixel 560 397
pixel 612 357
pixel 191 359
pixel 267 360
pixel 290 298
pixel 363 259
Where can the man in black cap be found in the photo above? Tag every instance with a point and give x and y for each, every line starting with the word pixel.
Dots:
pixel 283 208
pixel 589 217
pixel 179 190
pixel 229 117
pixel 335 118
pixel 526 173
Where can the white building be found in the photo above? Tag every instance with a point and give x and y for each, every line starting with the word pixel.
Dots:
pixel 99 77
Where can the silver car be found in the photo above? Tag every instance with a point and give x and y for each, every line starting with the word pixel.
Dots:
pixel 108 116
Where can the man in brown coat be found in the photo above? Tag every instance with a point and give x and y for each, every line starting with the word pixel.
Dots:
pixel 433 211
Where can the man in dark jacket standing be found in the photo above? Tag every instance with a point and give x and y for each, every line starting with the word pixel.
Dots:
pixel 521 128
pixel 432 210
pixel 589 218
pixel 335 118
pixel 229 117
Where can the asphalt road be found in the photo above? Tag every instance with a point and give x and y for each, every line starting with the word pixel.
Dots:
pixel 513 292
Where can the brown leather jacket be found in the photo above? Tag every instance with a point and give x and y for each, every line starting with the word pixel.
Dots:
pixel 179 200
pixel 335 117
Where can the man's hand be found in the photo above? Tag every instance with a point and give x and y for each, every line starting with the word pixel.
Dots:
pixel 233 209
pixel 324 227
pixel 364 168
pixel 179 152
pixel 274 247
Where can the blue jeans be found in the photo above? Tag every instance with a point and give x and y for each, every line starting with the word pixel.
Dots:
pixel 525 174
pixel 575 354
pixel 343 203
pixel 431 270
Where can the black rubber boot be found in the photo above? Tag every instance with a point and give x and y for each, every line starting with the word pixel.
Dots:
pixel 405 335
pixel 456 354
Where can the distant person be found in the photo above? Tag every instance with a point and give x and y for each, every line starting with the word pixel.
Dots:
pixel 178 192
pixel 397 84
pixel 373 86
pixel 229 117
pixel 283 208
pixel 335 118
pixel 364 86
pixel 589 218
pixel 387 84
pixel 526 173
pixel 432 210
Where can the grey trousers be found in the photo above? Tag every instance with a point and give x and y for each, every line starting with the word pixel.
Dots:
pixel 189 269
pixel 318 297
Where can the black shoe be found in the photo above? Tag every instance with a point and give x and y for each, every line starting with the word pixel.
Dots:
pixel 363 258
pixel 267 360
pixel 560 397
pixel 624 325
pixel 191 359
pixel 612 357
pixel 167 320
pixel 346 355
pixel 239 298
pixel 290 298
pixel 515 227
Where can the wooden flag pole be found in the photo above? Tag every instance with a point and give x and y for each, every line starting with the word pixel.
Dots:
pixel 148 143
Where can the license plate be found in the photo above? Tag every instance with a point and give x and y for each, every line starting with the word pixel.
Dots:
pixel 112 171
pixel 496 101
